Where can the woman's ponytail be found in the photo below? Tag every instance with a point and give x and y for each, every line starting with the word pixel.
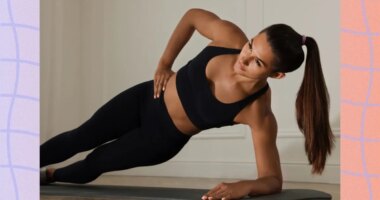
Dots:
pixel 312 110
pixel 312 103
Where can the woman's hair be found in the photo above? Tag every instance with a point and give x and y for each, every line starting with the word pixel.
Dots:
pixel 312 103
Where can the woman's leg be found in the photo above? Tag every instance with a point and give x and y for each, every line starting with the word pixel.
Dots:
pixel 156 141
pixel 116 117
pixel 137 148
pixel 107 157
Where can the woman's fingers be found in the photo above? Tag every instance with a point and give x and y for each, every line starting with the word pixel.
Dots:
pixel 223 195
pixel 218 194
pixel 221 191
pixel 210 194
pixel 160 81
pixel 157 87
pixel 226 197
pixel 167 77
pixel 164 83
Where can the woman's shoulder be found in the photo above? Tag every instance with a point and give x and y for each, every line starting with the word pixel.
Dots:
pixel 236 42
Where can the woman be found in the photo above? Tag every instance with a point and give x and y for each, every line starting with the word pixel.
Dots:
pixel 225 84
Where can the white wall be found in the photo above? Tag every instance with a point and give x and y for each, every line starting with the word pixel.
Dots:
pixel 94 49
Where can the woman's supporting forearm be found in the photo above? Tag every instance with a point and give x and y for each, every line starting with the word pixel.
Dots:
pixel 241 189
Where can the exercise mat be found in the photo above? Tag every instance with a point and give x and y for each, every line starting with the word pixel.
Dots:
pixel 105 192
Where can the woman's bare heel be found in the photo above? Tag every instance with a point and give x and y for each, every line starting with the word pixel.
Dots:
pixel 46 176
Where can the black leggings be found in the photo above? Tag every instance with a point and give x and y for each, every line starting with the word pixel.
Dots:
pixel 133 129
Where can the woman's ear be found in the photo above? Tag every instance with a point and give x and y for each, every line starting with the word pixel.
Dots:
pixel 277 75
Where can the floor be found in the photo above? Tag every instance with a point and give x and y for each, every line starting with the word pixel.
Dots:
pixel 198 183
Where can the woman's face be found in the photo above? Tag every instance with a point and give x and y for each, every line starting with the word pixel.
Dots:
pixel 256 58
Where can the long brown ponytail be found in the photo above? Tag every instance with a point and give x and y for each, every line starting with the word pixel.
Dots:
pixel 312 103
pixel 312 110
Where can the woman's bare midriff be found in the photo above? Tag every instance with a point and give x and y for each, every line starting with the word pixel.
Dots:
pixel 176 110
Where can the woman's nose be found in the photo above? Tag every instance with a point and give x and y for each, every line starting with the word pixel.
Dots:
pixel 246 58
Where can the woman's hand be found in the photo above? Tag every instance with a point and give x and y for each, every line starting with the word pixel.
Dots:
pixel 227 191
pixel 161 78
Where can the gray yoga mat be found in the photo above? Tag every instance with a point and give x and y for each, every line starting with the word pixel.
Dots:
pixel 141 193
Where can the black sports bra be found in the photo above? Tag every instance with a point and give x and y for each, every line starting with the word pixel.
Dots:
pixel 199 103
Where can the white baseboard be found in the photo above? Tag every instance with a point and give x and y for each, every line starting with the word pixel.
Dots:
pixel 293 172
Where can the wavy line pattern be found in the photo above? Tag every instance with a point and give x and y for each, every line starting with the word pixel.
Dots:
pixel 360 174
pixel 20 61
pixel 18 139
pixel 360 180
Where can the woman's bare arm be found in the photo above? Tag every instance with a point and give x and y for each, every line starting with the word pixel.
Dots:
pixel 259 117
pixel 264 134
pixel 269 179
pixel 209 25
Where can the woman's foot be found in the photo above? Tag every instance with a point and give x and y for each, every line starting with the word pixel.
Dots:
pixel 46 176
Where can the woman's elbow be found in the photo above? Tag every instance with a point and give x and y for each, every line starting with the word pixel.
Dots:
pixel 274 185
pixel 277 185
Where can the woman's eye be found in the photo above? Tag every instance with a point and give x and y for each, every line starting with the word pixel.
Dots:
pixel 257 62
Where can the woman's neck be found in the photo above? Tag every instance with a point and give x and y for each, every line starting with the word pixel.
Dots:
pixel 249 85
